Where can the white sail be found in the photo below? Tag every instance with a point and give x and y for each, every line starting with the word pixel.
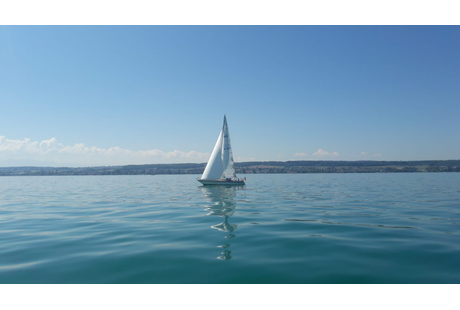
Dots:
pixel 214 167
pixel 227 154
pixel 220 164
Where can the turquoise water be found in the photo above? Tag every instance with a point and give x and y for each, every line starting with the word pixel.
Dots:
pixel 299 228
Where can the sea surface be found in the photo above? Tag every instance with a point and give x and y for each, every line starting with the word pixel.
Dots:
pixel 279 228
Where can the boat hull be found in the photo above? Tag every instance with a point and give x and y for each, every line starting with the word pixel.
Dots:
pixel 221 182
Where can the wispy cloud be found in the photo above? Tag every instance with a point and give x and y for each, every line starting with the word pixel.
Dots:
pixel 377 155
pixel 322 154
pixel 362 155
pixel 301 154
pixel 80 154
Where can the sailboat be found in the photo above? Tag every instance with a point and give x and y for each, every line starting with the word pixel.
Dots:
pixel 219 169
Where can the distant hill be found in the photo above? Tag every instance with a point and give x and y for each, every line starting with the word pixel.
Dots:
pixel 249 168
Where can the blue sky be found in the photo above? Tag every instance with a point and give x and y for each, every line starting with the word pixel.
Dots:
pixel 109 95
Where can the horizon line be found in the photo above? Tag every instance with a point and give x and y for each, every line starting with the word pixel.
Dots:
pixel 254 161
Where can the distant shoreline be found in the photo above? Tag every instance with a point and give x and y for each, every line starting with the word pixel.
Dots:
pixel 265 167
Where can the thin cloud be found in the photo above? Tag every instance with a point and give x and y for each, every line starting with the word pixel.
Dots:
pixel 362 155
pixel 322 153
pixel 301 154
pixel 52 150
pixel 377 155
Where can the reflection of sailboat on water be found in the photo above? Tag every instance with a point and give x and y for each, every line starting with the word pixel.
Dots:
pixel 223 205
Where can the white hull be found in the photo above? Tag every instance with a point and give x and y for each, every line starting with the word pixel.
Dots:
pixel 221 182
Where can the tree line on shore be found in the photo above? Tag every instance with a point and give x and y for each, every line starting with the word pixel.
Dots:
pixel 248 168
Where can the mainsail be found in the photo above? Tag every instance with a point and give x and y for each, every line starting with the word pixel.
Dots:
pixel 220 164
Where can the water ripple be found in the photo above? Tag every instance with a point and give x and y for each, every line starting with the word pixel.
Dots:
pixel 321 228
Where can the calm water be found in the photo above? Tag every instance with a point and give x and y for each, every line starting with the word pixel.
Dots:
pixel 302 228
